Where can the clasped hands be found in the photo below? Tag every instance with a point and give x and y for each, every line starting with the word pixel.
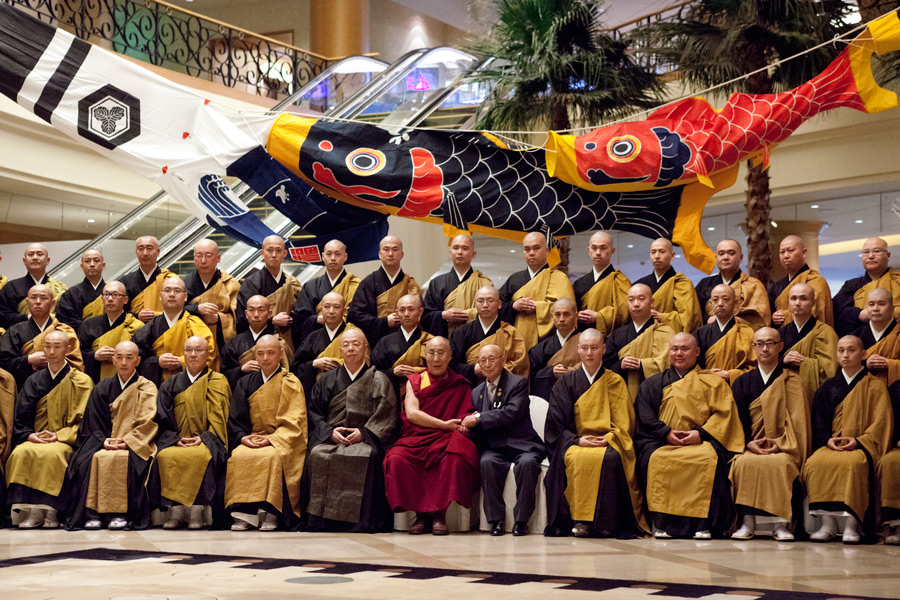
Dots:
pixel 346 436
pixel 43 437
pixel 842 444
pixel 256 440
pixel 592 441
pixel 764 446
pixel 683 438
pixel 187 442
pixel 114 444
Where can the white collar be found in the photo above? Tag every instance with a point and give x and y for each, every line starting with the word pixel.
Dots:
pixel 394 278
pixel 849 378
pixel 590 377
pixel 878 334
pixel 459 275
pixel 358 371
pixel 563 340
pixel 125 383
pixel 800 326
pixel 36 281
pixel 721 325
pixel 147 276
pixel 331 332
pixel 273 374
pixel 112 321
pixel 766 376
pixel 42 326
pixel 407 334
pixel 531 273
pixel 171 322
pixel 638 327
pixel 193 378
pixel 489 325
pixel 52 374
pixel 99 281
pixel 726 281
pixel 335 280
pixel 205 283
pixel 255 334
pixel 659 277
pixel 280 274
pixel 597 273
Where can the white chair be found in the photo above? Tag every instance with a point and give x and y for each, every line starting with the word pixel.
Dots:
pixel 538 521
pixel 457 517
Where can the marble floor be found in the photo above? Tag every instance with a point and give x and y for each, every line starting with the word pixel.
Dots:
pixel 832 570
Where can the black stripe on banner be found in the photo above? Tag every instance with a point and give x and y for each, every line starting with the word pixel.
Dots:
pixel 59 82
pixel 23 40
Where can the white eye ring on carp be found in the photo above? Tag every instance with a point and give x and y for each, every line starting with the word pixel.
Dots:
pixel 623 148
pixel 365 161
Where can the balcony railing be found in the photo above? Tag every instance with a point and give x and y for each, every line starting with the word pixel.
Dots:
pixel 180 40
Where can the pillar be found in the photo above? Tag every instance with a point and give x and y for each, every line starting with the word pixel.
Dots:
pixel 339 28
pixel 808 231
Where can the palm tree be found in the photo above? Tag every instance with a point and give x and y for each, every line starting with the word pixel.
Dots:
pixel 714 41
pixel 555 66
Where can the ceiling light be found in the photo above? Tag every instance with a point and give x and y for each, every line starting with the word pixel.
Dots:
pixel 710 228
pixel 631 245
pixel 774 224
pixel 92 221
pixel 859 221
pixel 814 206
pixel 512 251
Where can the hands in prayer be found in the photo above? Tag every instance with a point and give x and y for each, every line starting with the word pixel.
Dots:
pixel 187 442
pixel 256 440
pixel 346 436
pixel 763 447
pixel 525 306
pixel 630 363
pixel 114 444
pixel 170 362
pixel 592 441
pixel 43 437
pixel 683 438
pixel 793 358
pixel 455 315
pixel 842 444
pixel 282 319
pixel 587 316
pixel 146 314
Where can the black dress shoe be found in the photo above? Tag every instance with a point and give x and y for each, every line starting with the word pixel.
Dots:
pixel 520 528
pixel 498 528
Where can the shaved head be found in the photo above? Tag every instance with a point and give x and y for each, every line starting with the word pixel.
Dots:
pixel 335 245
pixel 564 303
pixel 331 297
pixel 392 240
pixel 535 237
pixel 881 294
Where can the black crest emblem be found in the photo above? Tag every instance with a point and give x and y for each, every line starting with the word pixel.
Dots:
pixel 109 117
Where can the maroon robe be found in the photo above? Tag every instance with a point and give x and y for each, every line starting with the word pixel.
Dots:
pixel 427 469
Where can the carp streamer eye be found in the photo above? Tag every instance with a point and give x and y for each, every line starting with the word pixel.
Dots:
pixel 623 148
pixel 590 146
pixel 365 161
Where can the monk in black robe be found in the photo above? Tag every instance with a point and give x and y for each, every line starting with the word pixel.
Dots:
pixel 808 344
pixel 99 335
pixel 320 352
pixel 106 475
pixel 144 284
pixel 82 301
pixel 751 299
pixel 726 344
pixel 450 299
pixel 212 292
pixel 307 314
pixel 402 353
pixel 353 417
pixel 374 306
pixel 548 361
pixel 674 298
pixel 277 286
pixel 602 292
pixel 591 481
pixel 13 308
pixel 850 302
pixel 238 358
pixel 792 254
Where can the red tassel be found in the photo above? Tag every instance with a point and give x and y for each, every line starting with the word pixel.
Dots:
pixel 165 169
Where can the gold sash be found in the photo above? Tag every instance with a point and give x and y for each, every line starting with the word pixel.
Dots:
pixel 751 302
pixel 56 287
pixel 224 295
pixel 652 348
pixel 818 346
pixel 346 287
pixel 463 298
pixel 282 300
pixel 733 352
pixel 172 341
pixel 387 300
pixel 781 413
pixel 148 298
pixel 545 288
pixel 7 414
pixel 278 410
pixel 609 299
pixel 889 479
pixel 677 304
pixel 73 356
pixel 890 281
pixel 3 281
pixel 605 409
pixel 823 309
pixel 889 347
pixel 333 349
pixel 203 406
pixel 567 355
pixel 415 354
pixel 680 478
pixel 132 415
pixel 120 333
pixel 42 467
pixel 93 308
pixel 509 340
pixel 286 358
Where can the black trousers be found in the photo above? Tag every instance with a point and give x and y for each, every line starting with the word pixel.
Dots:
pixel 494 470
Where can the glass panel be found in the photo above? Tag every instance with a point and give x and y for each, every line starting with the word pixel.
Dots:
pixel 337 84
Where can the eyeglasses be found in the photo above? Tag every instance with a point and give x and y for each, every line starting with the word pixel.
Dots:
pixel 766 344
pixel 113 295
pixel 873 252
pixel 436 353
pixel 487 360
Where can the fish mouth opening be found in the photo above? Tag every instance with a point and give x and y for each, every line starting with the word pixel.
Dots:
pixel 599 177
pixel 326 176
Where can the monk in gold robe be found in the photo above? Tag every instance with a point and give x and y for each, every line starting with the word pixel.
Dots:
pixel 105 479
pixel 307 313
pixel 212 293
pixel 592 481
pixel 556 354
pixel 640 348
pixel 374 306
pixel 320 352
pixel 277 286
pixel 850 302
pixel 688 431
pixel 889 477
pixel 13 303
pixel 82 301
pixel 99 336
pixel 188 475
pixel 450 299
pixel 21 348
pixel 161 341
pixel 808 343
pixel 487 329
pixel 239 354
pixel 792 254
pixel 528 295
pixel 851 432
pixel 7 404
pixel 48 412
pixel 674 299
pixel 267 436
pixel 602 292
pixel 726 344
pixel 751 299
pixel 881 337
pixel 774 410
pixel 145 284
pixel 402 353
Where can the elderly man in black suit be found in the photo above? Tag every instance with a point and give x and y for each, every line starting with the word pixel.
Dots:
pixel 503 432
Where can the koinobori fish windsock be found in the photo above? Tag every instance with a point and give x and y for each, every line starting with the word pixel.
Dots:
pixel 341 179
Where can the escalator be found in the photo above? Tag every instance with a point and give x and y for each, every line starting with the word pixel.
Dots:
pixel 420 85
